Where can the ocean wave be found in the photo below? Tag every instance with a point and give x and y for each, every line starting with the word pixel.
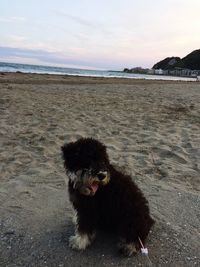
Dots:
pixel 26 68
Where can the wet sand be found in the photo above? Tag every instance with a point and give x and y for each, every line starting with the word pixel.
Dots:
pixel 151 130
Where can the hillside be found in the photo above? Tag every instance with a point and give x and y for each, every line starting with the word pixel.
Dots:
pixel 191 61
pixel 167 63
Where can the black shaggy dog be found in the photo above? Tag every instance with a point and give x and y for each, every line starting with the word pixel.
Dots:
pixel 103 198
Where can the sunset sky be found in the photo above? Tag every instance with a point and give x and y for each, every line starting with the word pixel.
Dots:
pixel 106 34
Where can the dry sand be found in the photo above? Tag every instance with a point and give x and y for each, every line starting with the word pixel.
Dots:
pixel 152 131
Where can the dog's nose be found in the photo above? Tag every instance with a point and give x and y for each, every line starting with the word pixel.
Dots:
pixel 101 175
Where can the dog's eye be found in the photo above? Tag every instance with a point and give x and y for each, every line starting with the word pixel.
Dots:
pixel 101 175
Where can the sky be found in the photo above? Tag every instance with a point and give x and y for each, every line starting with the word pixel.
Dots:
pixel 97 34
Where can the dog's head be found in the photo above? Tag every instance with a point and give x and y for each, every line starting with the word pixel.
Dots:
pixel 87 165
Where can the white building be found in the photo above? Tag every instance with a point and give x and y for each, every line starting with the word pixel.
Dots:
pixel 159 72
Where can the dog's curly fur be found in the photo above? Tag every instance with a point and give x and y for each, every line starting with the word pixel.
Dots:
pixel 103 197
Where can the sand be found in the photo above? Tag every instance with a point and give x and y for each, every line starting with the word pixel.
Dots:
pixel 152 131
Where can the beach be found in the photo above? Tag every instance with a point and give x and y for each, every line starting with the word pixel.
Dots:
pixel 152 132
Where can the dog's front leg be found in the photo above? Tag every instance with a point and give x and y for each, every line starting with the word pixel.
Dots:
pixel 81 241
pixel 83 236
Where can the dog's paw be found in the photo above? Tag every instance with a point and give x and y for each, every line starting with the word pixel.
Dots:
pixel 127 249
pixel 79 241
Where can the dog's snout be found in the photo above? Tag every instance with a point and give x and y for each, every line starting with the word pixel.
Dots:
pixel 101 175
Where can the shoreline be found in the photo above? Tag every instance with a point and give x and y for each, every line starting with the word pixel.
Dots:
pixel 28 68
pixel 19 77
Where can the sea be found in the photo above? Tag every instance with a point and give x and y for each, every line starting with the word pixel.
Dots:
pixel 27 68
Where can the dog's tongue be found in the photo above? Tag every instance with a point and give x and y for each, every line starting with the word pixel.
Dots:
pixel 94 186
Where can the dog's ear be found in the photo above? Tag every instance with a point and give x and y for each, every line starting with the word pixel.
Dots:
pixel 69 153
pixel 64 150
pixel 67 150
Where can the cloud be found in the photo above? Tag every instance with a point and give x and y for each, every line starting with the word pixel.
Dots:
pixel 12 19
pixel 3 19
pixel 47 58
pixel 22 42
pixel 76 19
pixel 18 18
pixel 17 38
pixel 42 55
pixel 96 26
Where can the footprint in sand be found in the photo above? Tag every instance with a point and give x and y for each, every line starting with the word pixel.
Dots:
pixel 166 153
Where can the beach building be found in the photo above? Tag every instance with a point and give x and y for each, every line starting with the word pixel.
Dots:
pixel 159 71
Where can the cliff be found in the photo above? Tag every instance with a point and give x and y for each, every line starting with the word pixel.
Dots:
pixel 191 61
